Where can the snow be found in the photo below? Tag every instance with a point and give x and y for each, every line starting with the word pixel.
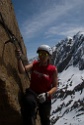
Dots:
pixel 68 101
pixel 72 73
pixel 75 75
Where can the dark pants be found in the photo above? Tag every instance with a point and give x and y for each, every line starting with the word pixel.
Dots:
pixel 44 112
pixel 29 110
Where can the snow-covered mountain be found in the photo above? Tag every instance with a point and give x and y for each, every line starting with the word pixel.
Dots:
pixel 69 52
pixel 68 102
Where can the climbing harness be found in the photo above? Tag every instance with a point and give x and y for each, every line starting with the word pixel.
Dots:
pixel 12 39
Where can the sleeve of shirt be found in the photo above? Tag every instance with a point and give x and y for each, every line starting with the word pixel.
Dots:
pixel 54 68
pixel 34 62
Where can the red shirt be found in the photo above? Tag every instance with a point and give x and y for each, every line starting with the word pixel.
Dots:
pixel 41 77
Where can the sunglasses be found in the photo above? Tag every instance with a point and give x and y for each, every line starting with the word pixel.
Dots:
pixel 43 54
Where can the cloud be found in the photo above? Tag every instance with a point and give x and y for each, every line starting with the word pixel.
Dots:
pixel 64 30
pixel 43 21
pixel 71 31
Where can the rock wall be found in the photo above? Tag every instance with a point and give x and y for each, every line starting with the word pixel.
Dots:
pixel 12 83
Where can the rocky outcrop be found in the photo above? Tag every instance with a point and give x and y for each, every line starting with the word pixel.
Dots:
pixel 12 83
pixel 69 52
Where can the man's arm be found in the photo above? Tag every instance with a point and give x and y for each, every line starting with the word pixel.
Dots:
pixel 22 68
pixel 54 83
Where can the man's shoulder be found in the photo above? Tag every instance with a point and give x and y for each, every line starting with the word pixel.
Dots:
pixel 52 67
pixel 35 62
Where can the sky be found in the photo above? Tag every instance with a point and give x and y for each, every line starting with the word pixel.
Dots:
pixel 48 21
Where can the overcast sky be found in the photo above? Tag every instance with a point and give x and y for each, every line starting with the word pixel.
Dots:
pixel 48 21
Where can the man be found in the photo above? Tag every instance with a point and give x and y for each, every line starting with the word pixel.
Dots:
pixel 43 85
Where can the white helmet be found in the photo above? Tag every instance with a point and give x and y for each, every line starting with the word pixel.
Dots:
pixel 45 48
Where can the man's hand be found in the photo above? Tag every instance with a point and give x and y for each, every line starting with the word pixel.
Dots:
pixel 42 97
pixel 18 54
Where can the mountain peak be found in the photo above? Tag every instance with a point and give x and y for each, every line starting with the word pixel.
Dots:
pixel 68 101
pixel 68 38
pixel 70 52
pixel 80 33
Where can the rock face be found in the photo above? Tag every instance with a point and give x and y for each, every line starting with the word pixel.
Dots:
pixel 12 83
pixel 69 52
